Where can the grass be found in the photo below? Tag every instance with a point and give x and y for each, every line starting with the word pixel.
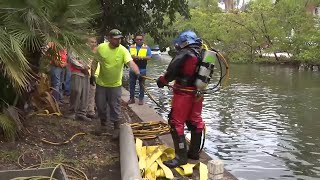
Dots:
pixel 9 156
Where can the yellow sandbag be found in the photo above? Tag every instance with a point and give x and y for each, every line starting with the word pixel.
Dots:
pixel 167 172
pixel 151 163
pixel 151 171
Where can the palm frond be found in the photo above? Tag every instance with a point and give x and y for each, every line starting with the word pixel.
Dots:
pixel 10 123
pixel 13 63
pixel 26 26
pixel 16 117
pixel 8 127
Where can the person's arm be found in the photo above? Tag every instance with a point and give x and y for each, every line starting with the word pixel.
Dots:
pixel 76 62
pixel 133 67
pixel 172 69
pixel 129 61
pixel 94 64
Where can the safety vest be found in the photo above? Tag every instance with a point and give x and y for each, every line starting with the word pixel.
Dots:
pixel 142 51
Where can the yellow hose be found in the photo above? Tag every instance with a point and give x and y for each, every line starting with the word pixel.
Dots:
pixel 62 143
pixel 34 178
pixel 54 170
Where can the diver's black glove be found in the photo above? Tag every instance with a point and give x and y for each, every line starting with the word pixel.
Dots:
pixel 92 80
pixel 160 84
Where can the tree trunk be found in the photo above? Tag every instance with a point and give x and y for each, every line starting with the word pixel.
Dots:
pixel 104 21
pixel 229 5
pixel 266 35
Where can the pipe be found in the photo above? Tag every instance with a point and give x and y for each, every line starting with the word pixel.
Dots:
pixel 128 155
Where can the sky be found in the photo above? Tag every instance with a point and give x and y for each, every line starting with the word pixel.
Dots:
pixel 221 4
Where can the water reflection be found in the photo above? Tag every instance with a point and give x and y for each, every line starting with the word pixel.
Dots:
pixel 264 125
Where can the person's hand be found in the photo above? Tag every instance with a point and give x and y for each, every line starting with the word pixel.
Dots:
pixel 85 71
pixel 160 84
pixel 92 80
pixel 63 64
pixel 134 57
pixel 139 77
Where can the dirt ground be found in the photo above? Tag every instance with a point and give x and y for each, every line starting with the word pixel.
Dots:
pixel 96 156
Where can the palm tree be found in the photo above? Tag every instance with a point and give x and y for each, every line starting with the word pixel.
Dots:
pixel 27 25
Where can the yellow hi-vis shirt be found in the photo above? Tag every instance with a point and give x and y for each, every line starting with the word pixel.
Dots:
pixel 111 65
pixel 96 73
pixel 142 51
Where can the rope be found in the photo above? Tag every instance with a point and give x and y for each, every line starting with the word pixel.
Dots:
pixel 152 98
pixel 149 130
pixel 170 86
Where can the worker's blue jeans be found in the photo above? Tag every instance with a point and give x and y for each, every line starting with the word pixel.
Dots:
pixel 133 81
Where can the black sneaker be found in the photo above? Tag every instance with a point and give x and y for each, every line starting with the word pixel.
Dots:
pixel 83 118
pixel 91 116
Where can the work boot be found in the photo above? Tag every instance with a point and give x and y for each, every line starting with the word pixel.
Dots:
pixel 91 116
pixel 102 128
pixel 140 102
pixel 116 130
pixel 131 101
pixel 71 116
pixel 103 122
pixel 83 118
pixel 195 143
pixel 180 147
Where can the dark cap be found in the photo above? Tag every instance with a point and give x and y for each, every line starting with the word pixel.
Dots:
pixel 115 33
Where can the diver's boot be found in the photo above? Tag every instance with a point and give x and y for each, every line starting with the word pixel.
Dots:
pixel 180 147
pixel 194 147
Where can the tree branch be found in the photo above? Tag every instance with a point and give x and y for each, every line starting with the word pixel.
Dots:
pixel 266 35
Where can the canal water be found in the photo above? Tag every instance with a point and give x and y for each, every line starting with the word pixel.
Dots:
pixel 264 125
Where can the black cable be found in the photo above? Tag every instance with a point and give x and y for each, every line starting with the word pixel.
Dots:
pixel 203 139
pixel 150 97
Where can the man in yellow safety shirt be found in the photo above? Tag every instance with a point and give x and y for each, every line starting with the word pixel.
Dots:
pixel 112 58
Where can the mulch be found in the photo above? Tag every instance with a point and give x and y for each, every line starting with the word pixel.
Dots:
pixel 97 156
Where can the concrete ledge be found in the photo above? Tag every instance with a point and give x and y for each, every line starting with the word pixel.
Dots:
pixel 59 173
pixel 146 113
pixel 128 155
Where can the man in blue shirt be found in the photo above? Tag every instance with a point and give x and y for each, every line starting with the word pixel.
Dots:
pixel 141 54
